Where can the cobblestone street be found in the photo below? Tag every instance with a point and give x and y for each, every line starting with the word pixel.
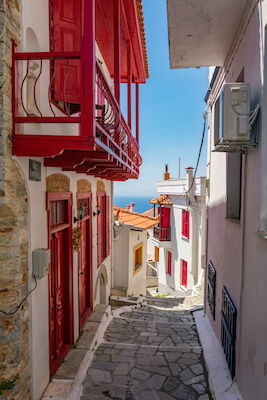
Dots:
pixel 149 352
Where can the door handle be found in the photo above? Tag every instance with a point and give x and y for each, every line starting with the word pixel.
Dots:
pixel 81 273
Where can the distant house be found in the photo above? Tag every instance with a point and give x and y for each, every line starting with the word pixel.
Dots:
pixel 179 239
pixel 130 251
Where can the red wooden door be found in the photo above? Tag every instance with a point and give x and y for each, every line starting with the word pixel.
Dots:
pixel 66 32
pixel 184 274
pixel 56 294
pixel 165 217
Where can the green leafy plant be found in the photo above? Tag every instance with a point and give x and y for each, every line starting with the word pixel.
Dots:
pixel 8 385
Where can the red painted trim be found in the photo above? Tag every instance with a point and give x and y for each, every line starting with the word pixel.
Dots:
pixel 68 278
pixel 88 71
pixel 169 263
pixel 137 112
pixel 129 83
pixel 117 49
pixel 14 87
pixel 89 283
pixel 48 120
pixel 48 55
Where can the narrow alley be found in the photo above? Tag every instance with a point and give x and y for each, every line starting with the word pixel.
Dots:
pixel 151 352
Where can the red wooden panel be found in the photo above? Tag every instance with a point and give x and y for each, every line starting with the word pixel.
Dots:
pixel 184 274
pixel 59 292
pixel 187 222
pixel 165 217
pixel 101 233
pixel 107 227
pixel 184 223
pixel 67 37
pixel 82 270
pixel 169 263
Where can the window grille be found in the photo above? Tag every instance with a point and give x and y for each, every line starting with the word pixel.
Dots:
pixel 211 288
pixel 228 329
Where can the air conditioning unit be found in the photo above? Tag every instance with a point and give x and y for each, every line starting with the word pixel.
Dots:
pixel 232 114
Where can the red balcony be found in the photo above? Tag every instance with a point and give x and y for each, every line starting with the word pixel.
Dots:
pixel 162 234
pixel 64 109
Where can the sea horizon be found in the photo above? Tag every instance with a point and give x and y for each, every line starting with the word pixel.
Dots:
pixel 141 202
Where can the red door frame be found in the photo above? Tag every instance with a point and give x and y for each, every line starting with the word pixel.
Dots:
pixel 89 275
pixel 67 279
pixel 184 273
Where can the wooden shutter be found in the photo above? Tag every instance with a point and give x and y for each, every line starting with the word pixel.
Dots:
pixel 156 253
pixel 100 230
pixel 184 223
pixel 107 225
pixel 184 274
pixel 165 217
pixel 187 224
pixel 67 37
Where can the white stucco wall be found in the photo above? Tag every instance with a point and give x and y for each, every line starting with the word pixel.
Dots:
pixel 39 239
pixel 137 281
pixel 237 252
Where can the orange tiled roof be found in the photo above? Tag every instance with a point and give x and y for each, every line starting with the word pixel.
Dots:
pixel 142 32
pixel 162 200
pixel 134 218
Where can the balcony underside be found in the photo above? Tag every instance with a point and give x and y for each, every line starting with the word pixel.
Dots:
pixel 91 156
pixel 202 31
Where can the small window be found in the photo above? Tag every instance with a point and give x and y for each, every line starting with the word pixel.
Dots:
pixel 185 224
pixel 156 253
pixel 169 265
pixel 138 257
pixel 234 185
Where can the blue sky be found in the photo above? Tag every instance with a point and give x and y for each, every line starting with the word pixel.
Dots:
pixel 171 111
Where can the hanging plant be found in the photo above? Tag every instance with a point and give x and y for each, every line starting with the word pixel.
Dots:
pixel 77 238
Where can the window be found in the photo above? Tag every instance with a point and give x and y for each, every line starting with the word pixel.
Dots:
pixel 185 224
pixel 103 248
pixel 184 273
pixel 228 329
pixel 138 257
pixel 156 253
pixel 234 184
pixel 211 288
pixel 169 265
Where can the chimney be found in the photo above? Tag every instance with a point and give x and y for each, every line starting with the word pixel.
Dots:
pixel 127 206
pixel 132 207
pixel 166 175
pixel 189 180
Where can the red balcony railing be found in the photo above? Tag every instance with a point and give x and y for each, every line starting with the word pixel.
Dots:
pixel 162 234
pixel 36 109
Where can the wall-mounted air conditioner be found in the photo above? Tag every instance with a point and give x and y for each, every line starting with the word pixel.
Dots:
pixel 232 115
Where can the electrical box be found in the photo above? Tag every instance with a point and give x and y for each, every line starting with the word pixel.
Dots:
pixel 236 112
pixel 41 259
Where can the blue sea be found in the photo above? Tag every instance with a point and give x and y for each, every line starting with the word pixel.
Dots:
pixel 141 203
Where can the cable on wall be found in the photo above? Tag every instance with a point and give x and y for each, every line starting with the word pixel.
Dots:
pixel 8 314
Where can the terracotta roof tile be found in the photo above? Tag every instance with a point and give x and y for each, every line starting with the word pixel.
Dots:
pixel 142 33
pixel 134 218
pixel 162 200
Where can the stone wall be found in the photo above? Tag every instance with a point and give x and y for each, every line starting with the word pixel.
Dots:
pixel 14 330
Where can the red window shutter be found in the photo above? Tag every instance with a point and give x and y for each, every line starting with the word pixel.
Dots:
pixel 184 223
pixel 67 37
pixel 187 224
pixel 169 263
pixel 100 228
pixel 184 274
pixel 107 227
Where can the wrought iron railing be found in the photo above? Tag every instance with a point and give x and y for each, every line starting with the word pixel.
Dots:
pixel 162 234
pixel 228 329
pixel 211 288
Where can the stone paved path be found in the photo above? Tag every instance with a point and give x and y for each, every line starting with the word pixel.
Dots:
pixel 149 353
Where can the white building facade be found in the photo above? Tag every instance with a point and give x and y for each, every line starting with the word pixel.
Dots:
pixel 179 240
